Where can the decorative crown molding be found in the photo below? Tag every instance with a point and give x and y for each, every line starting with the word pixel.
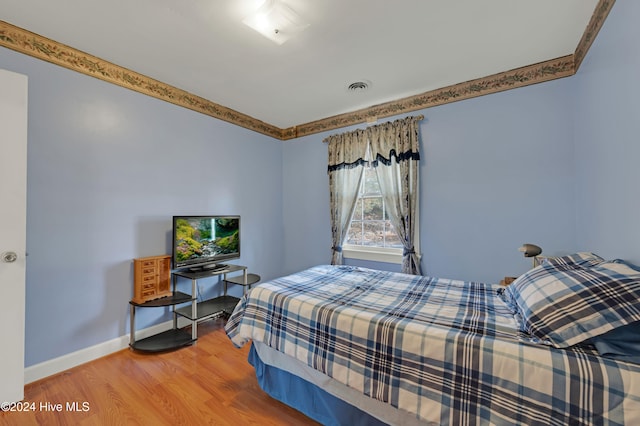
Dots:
pixel 31 44
pixel 520 77
pixel 597 20
pixel 532 74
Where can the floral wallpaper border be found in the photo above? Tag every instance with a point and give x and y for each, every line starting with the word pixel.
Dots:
pixel 28 43
pixel 537 73
pixel 32 44
pixel 597 20
pixel 544 71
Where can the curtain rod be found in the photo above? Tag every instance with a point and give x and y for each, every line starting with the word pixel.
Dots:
pixel 415 117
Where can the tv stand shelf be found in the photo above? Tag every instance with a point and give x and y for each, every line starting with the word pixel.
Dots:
pixel 212 308
pixel 166 340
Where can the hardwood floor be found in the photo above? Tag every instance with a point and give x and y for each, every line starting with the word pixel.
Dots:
pixel 209 383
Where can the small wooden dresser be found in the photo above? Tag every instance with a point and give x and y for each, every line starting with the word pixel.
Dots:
pixel 151 278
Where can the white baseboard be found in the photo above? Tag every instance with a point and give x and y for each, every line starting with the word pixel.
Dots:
pixel 65 362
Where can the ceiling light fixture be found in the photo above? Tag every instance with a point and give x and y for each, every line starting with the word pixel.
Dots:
pixel 276 21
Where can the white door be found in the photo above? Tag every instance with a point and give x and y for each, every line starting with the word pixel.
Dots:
pixel 13 219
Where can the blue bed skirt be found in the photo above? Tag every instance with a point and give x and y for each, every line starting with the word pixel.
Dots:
pixel 307 398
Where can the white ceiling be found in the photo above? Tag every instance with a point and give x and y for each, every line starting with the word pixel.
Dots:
pixel 403 47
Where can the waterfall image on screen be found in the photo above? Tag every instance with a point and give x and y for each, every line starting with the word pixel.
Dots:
pixel 205 239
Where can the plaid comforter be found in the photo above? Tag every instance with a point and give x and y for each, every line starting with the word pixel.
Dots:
pixel 448 351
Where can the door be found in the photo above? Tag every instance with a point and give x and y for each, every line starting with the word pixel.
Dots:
pixel 13 219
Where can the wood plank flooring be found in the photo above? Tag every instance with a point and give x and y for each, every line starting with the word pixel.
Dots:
pixel 209 383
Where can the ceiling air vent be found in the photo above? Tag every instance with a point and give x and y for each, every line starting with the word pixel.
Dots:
pixel 359 86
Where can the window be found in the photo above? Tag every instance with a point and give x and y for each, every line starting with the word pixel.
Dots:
pixel 369 231
pixel 371 235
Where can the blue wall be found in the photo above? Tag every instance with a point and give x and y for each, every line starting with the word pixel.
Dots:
pixel 107 168
pixel 553 164
pixel 607 141
pixel 496 172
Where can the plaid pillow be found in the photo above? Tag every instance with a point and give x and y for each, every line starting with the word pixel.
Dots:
pixel 567 304
pixel 576 259
pixel 619 266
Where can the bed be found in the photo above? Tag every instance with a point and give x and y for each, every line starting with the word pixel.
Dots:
pixel 350 345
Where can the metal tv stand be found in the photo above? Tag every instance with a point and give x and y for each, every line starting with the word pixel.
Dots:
pixel 211 308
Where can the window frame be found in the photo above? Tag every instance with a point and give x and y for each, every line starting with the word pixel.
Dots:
pixel 374 254
pixel 381 254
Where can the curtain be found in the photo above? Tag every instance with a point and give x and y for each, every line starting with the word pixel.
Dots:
pixel 395 154
pixel 346 160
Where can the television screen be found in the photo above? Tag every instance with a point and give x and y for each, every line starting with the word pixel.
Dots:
pixel 203 241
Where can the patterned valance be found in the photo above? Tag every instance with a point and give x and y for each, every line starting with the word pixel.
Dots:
pixel 394 139
pixel 347 150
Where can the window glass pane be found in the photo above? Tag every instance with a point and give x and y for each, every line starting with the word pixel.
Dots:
pixel 391 237
pixel 354 235
pixel 371 186
pixel 370 225
pixel 357 212
pixel 373 233
pixel 372 208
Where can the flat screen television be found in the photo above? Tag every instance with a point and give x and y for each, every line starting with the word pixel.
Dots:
pixel 202 242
